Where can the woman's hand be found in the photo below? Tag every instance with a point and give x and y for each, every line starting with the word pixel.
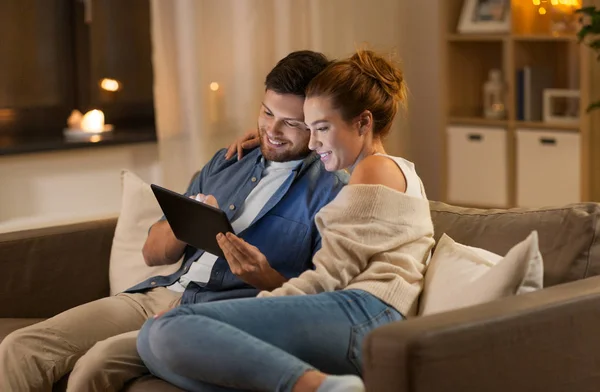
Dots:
pixel 248 263
pixel 248 140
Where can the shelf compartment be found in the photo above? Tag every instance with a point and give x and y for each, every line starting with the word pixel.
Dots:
pixel 526 19
pixel 469 64
pixel 562 72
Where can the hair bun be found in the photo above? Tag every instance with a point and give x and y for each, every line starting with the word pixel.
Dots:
pixel 389 77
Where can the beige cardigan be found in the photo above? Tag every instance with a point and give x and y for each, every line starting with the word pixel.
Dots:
pixel 374 239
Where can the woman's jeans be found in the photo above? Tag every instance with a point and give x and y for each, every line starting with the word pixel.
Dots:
pixel 263 344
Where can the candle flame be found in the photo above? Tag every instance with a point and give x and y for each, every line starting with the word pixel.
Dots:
pixel 110 84
pixel 214 86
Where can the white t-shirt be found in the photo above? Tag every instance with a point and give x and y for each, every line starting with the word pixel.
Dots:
pixel 274 176
pixel 414 185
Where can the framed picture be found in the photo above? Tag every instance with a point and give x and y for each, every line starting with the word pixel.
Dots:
pixel 561 106
pixel 485 16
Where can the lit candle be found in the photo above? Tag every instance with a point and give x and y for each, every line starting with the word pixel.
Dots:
pixel 213 103
pixel 93 121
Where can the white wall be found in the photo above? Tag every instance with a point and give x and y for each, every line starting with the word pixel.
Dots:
pixel 42 189
pixel 422 62
pixel 46 188
pixel 236 43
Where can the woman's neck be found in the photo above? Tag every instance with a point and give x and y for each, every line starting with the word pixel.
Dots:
pixel 372 148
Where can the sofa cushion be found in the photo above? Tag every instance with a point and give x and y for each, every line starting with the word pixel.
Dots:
pixel 459 276
pixel 139 210
pixel 569 237
pixel 7 325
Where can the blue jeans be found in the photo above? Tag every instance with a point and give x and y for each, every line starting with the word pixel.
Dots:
pixel 261 343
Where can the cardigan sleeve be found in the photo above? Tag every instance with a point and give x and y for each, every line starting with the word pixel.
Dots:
pixel 363 220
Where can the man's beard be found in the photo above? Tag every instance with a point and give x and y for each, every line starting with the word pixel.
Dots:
pixel 283 154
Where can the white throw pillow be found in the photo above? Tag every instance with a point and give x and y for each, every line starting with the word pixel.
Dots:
pixel 459 276
pixel 139 210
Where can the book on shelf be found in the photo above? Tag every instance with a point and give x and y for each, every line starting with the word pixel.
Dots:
pixel 530 85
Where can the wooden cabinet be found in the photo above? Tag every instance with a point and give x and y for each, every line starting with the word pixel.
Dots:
pixel 467 60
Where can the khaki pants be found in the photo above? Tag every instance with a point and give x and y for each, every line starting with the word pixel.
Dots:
pixel 96 341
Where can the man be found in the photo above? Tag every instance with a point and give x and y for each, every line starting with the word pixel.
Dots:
pixel 271 196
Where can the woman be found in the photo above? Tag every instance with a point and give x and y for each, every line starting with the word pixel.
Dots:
pixel 376 237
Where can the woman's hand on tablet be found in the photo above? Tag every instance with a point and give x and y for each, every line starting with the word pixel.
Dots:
pixel 248 263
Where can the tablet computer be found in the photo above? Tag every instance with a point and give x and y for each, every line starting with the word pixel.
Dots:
pixel 193 222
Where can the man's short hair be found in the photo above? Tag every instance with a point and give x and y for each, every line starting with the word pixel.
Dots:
pixel 293 73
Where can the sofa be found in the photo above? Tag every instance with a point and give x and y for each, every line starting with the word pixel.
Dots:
pixel 547 340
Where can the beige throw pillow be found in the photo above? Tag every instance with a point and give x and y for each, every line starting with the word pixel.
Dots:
pixel 139 210
pixel 459 276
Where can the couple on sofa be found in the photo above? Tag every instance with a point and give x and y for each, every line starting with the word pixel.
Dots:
pixel 358 251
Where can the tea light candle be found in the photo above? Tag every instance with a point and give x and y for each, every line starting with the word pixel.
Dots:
pixel 93 121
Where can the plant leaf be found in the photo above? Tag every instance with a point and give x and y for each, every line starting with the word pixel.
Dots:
pixel 595 44
pixel 586 10
pixel 585 30
pixel 596 23
pixel 594 105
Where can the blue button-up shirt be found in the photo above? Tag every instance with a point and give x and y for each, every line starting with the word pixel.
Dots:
pixel 284 229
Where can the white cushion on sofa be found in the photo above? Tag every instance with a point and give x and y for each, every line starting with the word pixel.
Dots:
pixel 460 275
pixel 139 210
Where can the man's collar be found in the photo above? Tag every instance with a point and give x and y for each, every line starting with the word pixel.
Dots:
pixel 305 164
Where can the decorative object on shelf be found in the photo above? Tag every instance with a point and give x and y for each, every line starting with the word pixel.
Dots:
pixel 493 96
pixel 561 106
pixel 88 127
pixel 560 15
pixel 546 17
pixel 529 91
pixel 563 18
pixel 589 34
pixel 485 16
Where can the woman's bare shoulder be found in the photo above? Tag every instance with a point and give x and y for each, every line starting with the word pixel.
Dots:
pixel 378 170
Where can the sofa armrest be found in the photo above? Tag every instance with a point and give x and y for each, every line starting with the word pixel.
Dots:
pixel 544 341
pixel 46 271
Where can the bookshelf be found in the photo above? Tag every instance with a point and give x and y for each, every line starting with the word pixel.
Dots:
pixel 467 60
